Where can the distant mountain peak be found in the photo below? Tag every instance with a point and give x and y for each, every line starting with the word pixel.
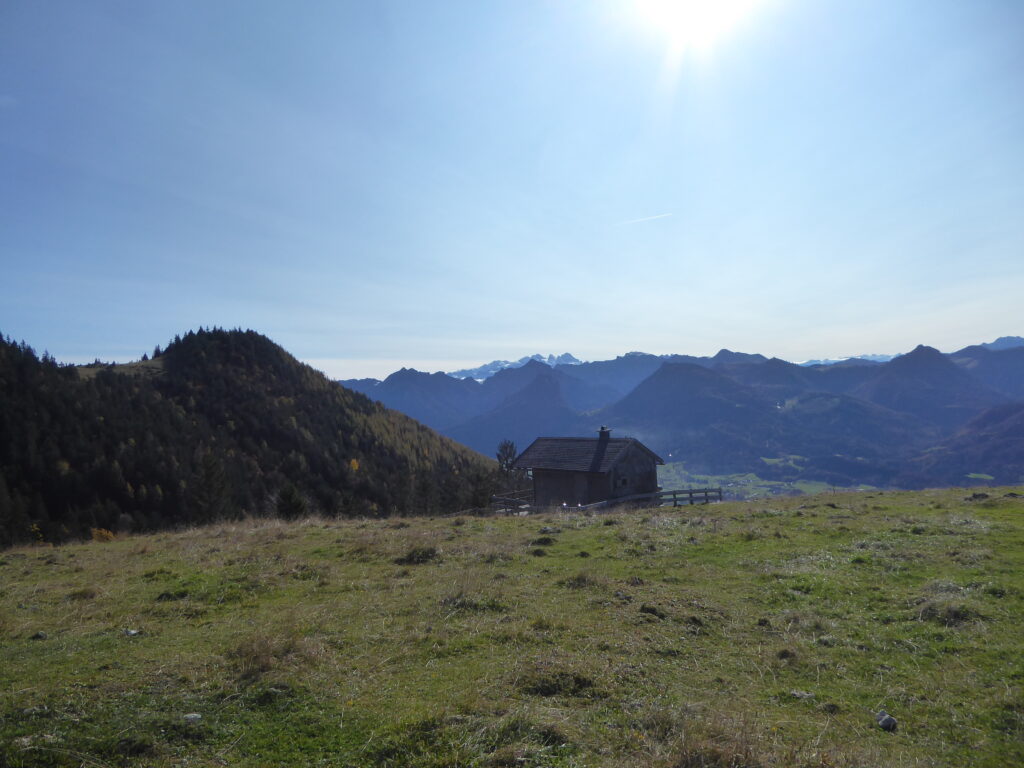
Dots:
pixel 725 356
pixel 405 374
pixel 921 358
pixel 854 360
pixel 1004 342
pixel 487 370
pixel 535 364
pixel 922 352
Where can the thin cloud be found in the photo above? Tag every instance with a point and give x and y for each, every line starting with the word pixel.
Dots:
pixel 646 218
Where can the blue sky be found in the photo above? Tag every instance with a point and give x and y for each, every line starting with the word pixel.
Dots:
pixel 437 184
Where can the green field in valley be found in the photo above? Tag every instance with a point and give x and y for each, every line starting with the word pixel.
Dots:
pixel 742 486
pixel 735 635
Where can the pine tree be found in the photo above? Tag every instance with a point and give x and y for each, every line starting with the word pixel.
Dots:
pixel 210 497
pixel 506 456
pixel 290 504
pixel 11 522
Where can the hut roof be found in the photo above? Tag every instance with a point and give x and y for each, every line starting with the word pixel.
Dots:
pixel 579 454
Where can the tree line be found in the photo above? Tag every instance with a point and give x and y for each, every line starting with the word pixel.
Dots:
pixel 219 424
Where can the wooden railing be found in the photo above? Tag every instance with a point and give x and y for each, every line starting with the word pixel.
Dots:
pixel 512 500
pixel 691 496
pixel 518 500
pixel 678 498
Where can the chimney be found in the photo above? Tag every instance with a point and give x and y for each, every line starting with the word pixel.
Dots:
pixel 604 433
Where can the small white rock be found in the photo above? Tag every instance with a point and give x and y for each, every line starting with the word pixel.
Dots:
pixel 192 718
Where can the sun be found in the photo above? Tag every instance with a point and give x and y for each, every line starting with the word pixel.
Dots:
pixel 692 25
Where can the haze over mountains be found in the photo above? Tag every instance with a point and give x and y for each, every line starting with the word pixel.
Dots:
pixel 921 418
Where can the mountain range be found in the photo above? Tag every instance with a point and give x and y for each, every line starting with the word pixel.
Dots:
pixel 489 369
pixel 920 418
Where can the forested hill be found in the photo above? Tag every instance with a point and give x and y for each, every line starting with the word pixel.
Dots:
pixel 219 424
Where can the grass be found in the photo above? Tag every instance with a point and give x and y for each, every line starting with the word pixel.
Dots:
pixel 735 635
pixel 146 368
pixel 746 486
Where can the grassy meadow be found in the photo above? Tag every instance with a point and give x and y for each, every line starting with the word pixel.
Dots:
pixel 736 635
pixel 744 486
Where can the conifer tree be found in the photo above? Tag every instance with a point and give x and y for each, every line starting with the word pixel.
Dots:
pixel 506 457
pixel 290 504
pixel 211 499
pixel 8 522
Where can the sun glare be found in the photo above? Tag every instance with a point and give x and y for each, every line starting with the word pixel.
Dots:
pixel 692 25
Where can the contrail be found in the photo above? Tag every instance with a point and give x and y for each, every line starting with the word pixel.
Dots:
pixel 646 218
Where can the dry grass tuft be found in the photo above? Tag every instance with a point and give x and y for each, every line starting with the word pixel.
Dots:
pixel 581 580
pixel 419 556
pixel 272 648
pixel 549 679
pixel 714 756
pixel 948 612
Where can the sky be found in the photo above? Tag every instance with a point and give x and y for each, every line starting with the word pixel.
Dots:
pixel 438 184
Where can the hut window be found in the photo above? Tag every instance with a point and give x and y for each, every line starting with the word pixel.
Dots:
pixel 625 481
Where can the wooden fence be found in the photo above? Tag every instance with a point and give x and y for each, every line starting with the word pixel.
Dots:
pixel 523 500
pixel 514 500
pixel 676 498
pixel 691 496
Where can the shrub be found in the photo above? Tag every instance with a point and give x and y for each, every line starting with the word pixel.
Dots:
pixel 102 535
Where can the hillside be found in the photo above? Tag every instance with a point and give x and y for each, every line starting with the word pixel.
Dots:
pixel 222 423
pixel 1000 369
pixel 537 408
pixel 677 408
pixel 927 384
pixel 435 399
pixel 760 635
pixel 990 447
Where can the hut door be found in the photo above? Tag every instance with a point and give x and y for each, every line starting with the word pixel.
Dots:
pixel 580 490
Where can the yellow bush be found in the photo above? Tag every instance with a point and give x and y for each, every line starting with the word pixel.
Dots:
pixel 102 534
